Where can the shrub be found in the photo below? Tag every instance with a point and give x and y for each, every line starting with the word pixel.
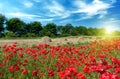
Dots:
pixel 9 34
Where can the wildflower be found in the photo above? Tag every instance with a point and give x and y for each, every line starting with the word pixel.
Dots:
pixel 35 72
pixel 62 75
pixel 50 73
pixel 17 67
pixel 1 74
pixel 21 55
pixel 80 76
pixel 102 56
pixel 11 68
pixel 24 71
pixel 86 69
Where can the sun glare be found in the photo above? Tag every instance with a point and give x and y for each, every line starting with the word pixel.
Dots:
pixel 110 30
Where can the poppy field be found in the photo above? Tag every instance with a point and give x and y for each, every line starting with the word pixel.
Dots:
pixel 98 60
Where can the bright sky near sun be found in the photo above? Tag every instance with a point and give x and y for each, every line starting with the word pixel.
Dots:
pixel 90 13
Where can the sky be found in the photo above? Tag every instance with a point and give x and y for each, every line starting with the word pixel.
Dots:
pixel 89 13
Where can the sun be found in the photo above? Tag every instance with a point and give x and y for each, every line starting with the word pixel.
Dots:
pixel 110 29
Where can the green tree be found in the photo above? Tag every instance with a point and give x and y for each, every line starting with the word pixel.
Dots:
pixel 91 31
pixel 115 33
pixel 101 31
pixel 80 30
pixel 67 29
pixel 16 26
pixel 60 29
pixel 9 34
pixel 49 30
pixel 33 27
pixel 76 31
pixel 2 21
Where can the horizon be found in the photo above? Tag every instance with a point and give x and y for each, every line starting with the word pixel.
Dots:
pixel 88 13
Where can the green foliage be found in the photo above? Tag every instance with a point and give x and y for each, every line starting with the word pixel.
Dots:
pixel 33 27
pixel 79 30
pixel 29 35
pixel 16 26
pixel 9 34
pixel 116 33
pixel 60 29
pixel 49 30
pixel 101 31
pixel 67 29
pixel 2 21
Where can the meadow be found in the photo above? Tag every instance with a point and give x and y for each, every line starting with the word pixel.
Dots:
pixel 99 59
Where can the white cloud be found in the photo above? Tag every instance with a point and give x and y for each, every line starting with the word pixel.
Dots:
pixel 45 20
pixel 29 17
pixel 102 14
pixel 22 15
pixel 96 7
pixel 27 4
pixel 66 21
pixel 111 23
pixel 57 10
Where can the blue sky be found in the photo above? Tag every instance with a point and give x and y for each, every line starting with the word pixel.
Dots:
pixel 90 13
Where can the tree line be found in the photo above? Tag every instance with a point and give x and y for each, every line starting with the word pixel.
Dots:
pixel 15 27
